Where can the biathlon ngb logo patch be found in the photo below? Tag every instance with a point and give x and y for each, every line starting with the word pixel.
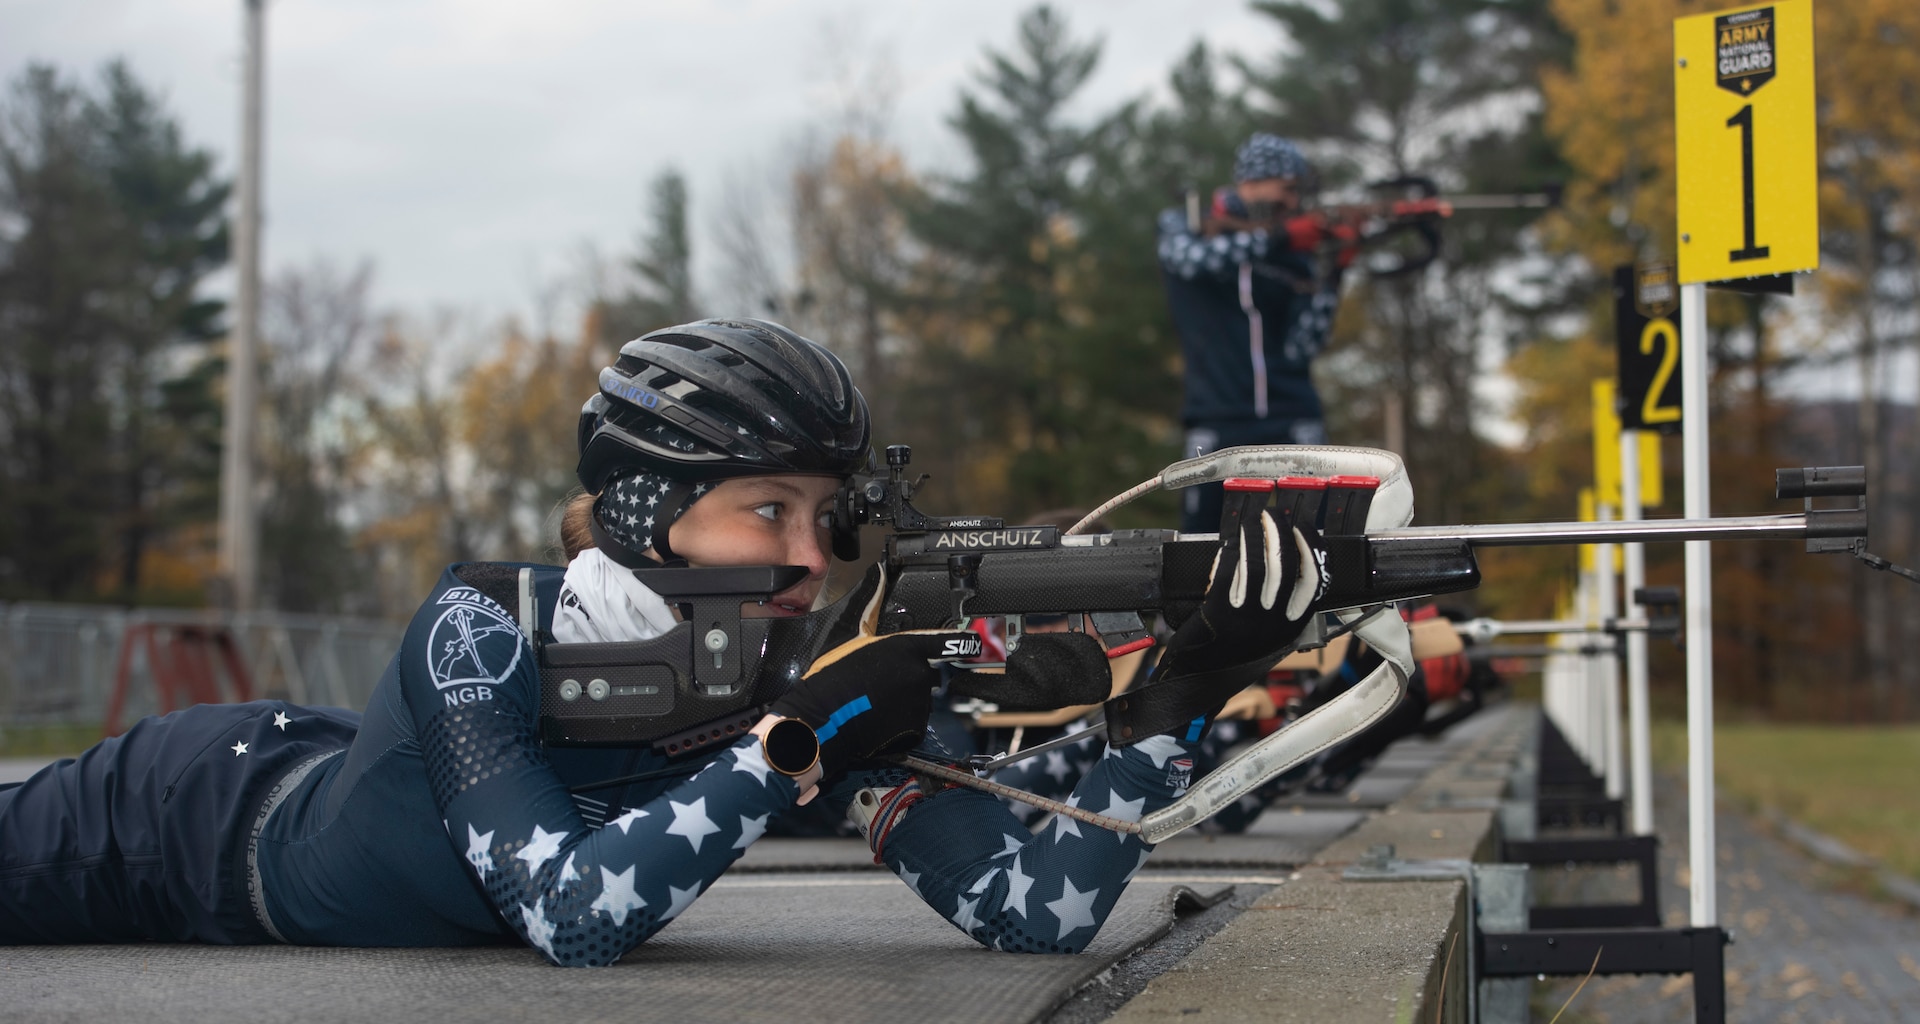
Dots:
pixel 473 643
pixel 1744 50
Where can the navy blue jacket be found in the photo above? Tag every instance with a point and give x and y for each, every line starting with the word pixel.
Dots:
pixel 1213 284
pixel 447 823
pixel 437 818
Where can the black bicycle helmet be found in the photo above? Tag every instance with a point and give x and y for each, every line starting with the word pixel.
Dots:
pixel 723 398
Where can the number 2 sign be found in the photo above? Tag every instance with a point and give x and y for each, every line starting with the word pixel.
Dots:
pixel 1648 347
pixel 1744 134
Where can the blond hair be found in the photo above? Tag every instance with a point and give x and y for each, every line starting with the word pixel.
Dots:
pixel 576 531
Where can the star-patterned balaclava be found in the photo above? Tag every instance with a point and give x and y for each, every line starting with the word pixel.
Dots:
pixel 1265 155
pixel 636 510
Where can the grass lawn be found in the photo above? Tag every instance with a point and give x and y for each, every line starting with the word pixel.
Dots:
pixel 48 741
pixel 1859 784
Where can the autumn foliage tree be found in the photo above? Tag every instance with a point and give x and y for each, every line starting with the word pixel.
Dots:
pixel 1781 619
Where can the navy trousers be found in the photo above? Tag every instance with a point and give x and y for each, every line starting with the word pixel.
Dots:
pixel 144 836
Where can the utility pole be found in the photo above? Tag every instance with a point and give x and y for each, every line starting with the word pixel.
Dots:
pixel 239 526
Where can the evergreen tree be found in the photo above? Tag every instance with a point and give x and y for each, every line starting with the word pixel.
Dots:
pixel 662 293
pixel 59 254
pixel 173 207
pixel 1011 412
pixel 1407 87
pixel 109 223
pixel 1126 348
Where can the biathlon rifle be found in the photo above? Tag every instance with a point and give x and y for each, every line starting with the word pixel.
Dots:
pixel 943 570
pixel 706 681
pixel 1400 221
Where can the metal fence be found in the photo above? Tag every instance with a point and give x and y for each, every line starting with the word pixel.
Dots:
pixel 57 661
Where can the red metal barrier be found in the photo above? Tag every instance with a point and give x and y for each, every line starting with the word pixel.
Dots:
pixel 182 661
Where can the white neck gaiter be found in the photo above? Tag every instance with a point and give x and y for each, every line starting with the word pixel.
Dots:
pixel 602 602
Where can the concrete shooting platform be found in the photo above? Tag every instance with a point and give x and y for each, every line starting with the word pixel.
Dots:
pixel 1258 926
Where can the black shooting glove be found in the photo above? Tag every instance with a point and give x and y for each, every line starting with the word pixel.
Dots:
pixel 1046 671
pixel 870 696
pixel 1268 579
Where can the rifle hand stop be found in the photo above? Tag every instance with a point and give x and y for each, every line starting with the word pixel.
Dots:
pixel 1835 530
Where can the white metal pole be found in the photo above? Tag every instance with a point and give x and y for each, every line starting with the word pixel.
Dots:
pixel 1608 665
pixel 1590 671
pixel 1556 682
pixel 1592 710
pixel 1699 607
pixel 239 528
pixel 1639 719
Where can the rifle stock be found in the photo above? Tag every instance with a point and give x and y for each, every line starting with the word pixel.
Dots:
pixel 707 680
pixel 677 694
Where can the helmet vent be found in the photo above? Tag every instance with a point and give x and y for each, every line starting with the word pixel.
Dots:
pixel 742 396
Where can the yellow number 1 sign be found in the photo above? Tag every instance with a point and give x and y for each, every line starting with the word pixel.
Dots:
pixel 1743 118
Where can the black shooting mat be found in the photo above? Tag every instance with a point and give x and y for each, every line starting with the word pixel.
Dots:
pixel 774 948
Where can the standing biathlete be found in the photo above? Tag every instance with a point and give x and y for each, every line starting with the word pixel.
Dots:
pixel 438 817
pixel 1252 298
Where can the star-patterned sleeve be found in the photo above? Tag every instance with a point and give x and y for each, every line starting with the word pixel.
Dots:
pixel 582 896
pixel 1190 256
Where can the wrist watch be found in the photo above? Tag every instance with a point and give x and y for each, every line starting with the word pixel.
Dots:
pixel 790 746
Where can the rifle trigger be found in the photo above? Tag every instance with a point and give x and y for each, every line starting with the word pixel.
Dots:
pixel 1121 630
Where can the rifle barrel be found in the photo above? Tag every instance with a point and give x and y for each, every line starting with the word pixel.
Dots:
pixel 1475 628
pixel 1484 654
pixel 1792 525
pixel 1527 201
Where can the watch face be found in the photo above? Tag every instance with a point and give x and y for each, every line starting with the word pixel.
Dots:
pixel 791 746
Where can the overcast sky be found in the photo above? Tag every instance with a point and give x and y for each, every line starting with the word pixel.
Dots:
pixel 471 148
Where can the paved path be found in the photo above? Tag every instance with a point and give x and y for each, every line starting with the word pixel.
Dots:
pixel 18 769
pixel 1806 950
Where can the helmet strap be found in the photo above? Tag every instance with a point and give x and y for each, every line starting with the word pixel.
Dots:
pixel 615 550
pixel 625 556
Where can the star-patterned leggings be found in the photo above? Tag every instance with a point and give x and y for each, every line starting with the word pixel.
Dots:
pixel 973 860
pixel 1056 773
